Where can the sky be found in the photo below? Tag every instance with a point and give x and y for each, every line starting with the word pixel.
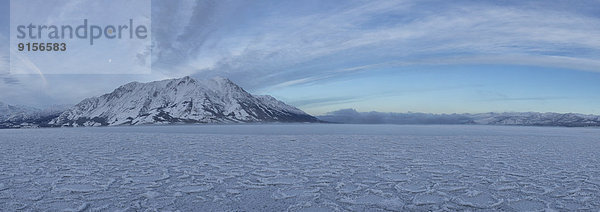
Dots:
pixel 388 56
pixel 88 55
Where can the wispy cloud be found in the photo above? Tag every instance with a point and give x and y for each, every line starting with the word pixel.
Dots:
pixel 274 48
pixel 9 80
pixel 542 98
pixel 4 56
pixel 4 65
pixel 325 101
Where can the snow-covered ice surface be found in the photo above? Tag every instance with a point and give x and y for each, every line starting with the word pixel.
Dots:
pixel 312 167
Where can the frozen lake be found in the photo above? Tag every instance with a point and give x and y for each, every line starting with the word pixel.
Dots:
pixel 312 167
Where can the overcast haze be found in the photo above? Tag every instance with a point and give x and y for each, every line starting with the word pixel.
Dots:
pixel 389 56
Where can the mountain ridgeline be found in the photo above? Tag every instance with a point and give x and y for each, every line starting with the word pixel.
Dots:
pixel 184 100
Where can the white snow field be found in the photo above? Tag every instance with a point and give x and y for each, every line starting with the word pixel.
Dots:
pixel 300 167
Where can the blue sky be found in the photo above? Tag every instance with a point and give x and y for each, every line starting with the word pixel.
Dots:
pixel 389 56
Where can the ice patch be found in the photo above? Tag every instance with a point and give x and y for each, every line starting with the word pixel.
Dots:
pixel 528 205
pixel 281 180
pixel 375 200
pixel 151 194
pixel 478 199
pixel 196 188
pixel 413 187
pixel 78 188
pixel 430 198
pixel 395 177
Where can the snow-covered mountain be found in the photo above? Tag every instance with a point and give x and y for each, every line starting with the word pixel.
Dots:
pixel 15 112
pixel 17 116
pixel 351 116
pixel 184 100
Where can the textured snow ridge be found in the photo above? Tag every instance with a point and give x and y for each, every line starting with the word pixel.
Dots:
pixel 312 167
pixel 184 100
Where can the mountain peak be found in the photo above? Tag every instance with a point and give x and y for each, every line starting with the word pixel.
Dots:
pixel 222 81
pixel 187 79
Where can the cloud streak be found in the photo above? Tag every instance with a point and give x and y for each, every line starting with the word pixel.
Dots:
pixel 4 55
pixel 273 48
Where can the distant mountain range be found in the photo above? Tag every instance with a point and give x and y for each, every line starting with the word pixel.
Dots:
pixel 218 100
pixel 351 116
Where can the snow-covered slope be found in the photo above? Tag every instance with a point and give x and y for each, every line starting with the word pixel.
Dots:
pixel 184 100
